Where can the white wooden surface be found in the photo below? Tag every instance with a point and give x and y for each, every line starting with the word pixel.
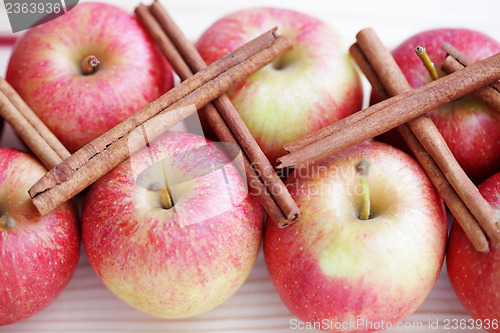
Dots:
pixel 87 306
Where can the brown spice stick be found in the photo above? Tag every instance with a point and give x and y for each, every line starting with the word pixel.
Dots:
pixel 164 43
pixel 339 125
pixel 233 120
pixel 41 141
pixel 449 195
pixel 488 94
pixel 27 133
pixel 255 185
pixel 410 105
pixel 105 161
pixel 478 206
pixel 64 171
pixel 363 64
pixel 120 149
pixel 33 119
pixel 463 59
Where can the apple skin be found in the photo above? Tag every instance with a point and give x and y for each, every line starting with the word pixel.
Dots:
pixel 333 266
pixel 45 69
pixel 151 259
pixel 39 256
pixel 470 128
pixel 309 88
pixel 475 276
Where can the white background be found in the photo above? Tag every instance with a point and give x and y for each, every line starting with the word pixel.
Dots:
pixel 86 306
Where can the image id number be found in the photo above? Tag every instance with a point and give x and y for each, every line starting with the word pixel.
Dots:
pixel 33 8
pixel 462 324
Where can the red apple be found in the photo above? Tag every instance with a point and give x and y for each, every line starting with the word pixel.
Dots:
pixel 308 88
pixel 470 128
pixel 351 274
pixel 46 69
pixel 475 276
pixel 180 261
pixel 38 254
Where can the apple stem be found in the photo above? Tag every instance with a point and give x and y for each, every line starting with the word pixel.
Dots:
pixel 7 223
pixel 90 64
pixel 362 170
pixel 166 199
pixel 165 195
pixel 424 57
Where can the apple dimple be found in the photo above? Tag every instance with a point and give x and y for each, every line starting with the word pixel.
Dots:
pixel 288 60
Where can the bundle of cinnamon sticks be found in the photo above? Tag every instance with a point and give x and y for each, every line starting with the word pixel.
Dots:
pixel 456 60
pixel 222 116
pixel 88 164
pixel 406 109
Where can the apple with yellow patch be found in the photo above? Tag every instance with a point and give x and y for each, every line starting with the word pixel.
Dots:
pixel 38 254
pixel 304 90
pixel 173 250
pixel 349 267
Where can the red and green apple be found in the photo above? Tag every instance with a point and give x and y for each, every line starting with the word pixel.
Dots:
pixel 38 254
pixel 350 272
pixel 178 260
pixel 475 276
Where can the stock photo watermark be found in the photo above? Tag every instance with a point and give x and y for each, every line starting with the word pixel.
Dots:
pixel 313 180
pixel 363 324
pixel 25 14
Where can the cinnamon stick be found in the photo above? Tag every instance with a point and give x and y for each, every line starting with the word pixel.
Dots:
pixel 64 171
pixel 66 180
pixel 255 185
pixel 230 115
pixel 337 126
pixel 399 83
pixel 463 59
pixel 399 109
pixel 365 67
pixel 37 136
pixel 488 94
